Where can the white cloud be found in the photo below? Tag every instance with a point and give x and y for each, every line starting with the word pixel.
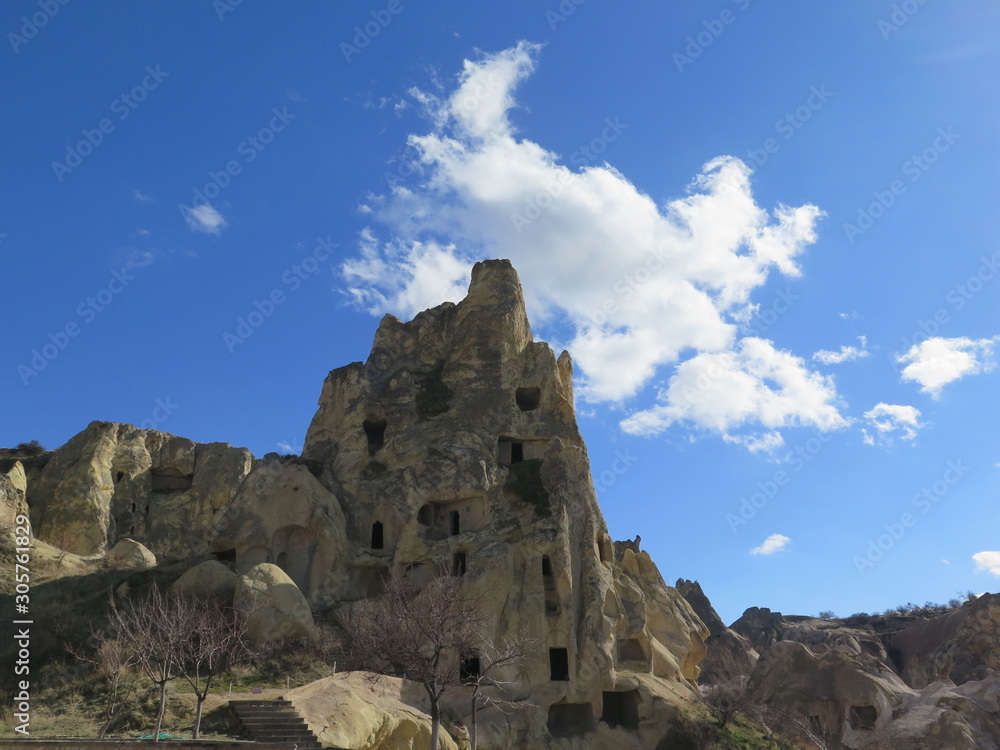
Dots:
pixel 988 561
pixel 774 543
pixel 729 390
pixel 846 353
pixel 204 218
pixel 640 286
pixel 892 420
pixel 938 361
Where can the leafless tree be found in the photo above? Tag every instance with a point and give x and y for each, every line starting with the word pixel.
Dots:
pixel 112 661
pixel 493 657
pixel 420 635
pixel 148 628
pixel 786 727
pixel 727 694
pixel 214 640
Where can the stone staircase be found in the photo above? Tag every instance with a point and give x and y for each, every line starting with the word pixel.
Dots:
pixel 274 722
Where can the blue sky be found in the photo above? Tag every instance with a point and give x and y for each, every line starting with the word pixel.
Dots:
pixel 768 236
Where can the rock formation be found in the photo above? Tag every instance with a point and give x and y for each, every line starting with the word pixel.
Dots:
pixel 113 481
pixel 455 448
pixel 924 680
pixel 12 496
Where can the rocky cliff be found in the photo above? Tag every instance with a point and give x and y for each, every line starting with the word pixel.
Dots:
pixel 925 680
pixel 454 449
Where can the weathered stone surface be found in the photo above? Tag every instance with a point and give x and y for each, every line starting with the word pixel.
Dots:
pixel 350 710
pixel 925 679
pixel 274 606
pixel 282 514
pixel 209 579
pixel 129 553
pixel 729 653
pixel 113 481
pixel 456 448
pixel 12 502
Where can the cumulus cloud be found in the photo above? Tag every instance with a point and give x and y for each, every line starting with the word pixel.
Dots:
pixel 988 561
pixel 631 286
pixel 774 543
pixel 754 384
pixel 204 218
pixel 846 353
pixel 938 361
pixel 892 420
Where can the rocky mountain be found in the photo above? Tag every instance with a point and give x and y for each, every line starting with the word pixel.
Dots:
pixel 924 680
pixel 453 449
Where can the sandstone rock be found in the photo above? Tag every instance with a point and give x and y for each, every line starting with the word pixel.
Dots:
pixel 113 481
pixel 208 579
pixel 456 448
pixel 350 710
pixel 273 605
pixel 17 477
pixel 728 653
pixel 12 503
pixel 282 514
pixel 128 553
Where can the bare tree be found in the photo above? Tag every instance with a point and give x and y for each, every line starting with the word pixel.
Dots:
pixel 214 640
pixel 787 728
pixel 728 692
pixel 492 658
pixel 149 630
pixel 419 635
pixel 112 661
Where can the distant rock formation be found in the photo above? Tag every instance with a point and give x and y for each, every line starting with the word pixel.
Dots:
pixel 729 653
pixel 925 680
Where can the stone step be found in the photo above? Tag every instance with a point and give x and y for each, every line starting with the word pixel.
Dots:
pixel 274 722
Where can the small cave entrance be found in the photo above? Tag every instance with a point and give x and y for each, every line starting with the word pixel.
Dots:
pixel 571 719
pixel 630 649
pixel 169 480
pixel 118 478
pixel 549 585
pixel 378 536
pixel 559 665
pixel 528 398
pixel 454 523
pixel 469 669
pixel 225 555
pixel 294 548
pixel 510 451
pixel 375 432
pixel 621 709
pixel 459 563
pixel 863 717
